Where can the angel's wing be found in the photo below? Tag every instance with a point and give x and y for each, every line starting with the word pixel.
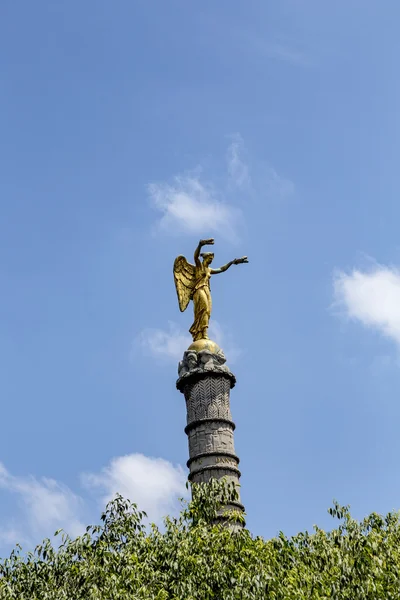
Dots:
pixel 184 276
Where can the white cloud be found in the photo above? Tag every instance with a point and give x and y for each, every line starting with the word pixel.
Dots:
pixel 237 168
pixel 224 341
pixel 372 298
pixel 275 185
pixel 170 344
pixel 154 484
pixel 46 505
pixel 42 505
pixel 190 206
pixel 12 535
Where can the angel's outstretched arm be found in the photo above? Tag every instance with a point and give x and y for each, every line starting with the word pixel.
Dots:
pixel 235 261
pixel 222 269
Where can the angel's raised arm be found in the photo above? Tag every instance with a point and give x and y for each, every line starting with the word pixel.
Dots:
pixel 201 243
pixel 197 254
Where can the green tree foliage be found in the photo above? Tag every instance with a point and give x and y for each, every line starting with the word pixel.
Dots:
pixel 195 557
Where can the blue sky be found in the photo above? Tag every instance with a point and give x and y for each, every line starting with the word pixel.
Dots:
pixel 131 129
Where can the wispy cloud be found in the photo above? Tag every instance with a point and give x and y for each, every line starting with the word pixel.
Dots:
pixel 275 186
pixel 165 344
pixel 45 506
pixel 42 505
pixel 13 534
pixel 154 484
pixel 169 344
pixel 238 170
pixel 192 204
pixel 189 205
pixel 225 341
pixel 371 298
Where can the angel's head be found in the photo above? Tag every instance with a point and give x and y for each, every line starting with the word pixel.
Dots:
pixel 207 258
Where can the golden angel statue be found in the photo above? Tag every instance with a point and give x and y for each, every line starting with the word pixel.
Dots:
pixel 192 282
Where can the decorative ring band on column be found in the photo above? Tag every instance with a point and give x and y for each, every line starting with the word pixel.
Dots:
pixel 232 503
pixel 194 424
pixel 214 468
pixel 208 454
pixel 191 378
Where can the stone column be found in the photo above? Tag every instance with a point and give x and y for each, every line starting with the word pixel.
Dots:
pixel 206 381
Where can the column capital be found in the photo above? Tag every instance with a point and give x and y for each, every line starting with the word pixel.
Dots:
pixel 197 364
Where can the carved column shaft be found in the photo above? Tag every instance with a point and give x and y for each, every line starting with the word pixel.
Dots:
pixel 206 383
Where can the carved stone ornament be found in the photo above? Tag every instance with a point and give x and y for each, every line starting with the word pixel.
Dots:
pixel 203 362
